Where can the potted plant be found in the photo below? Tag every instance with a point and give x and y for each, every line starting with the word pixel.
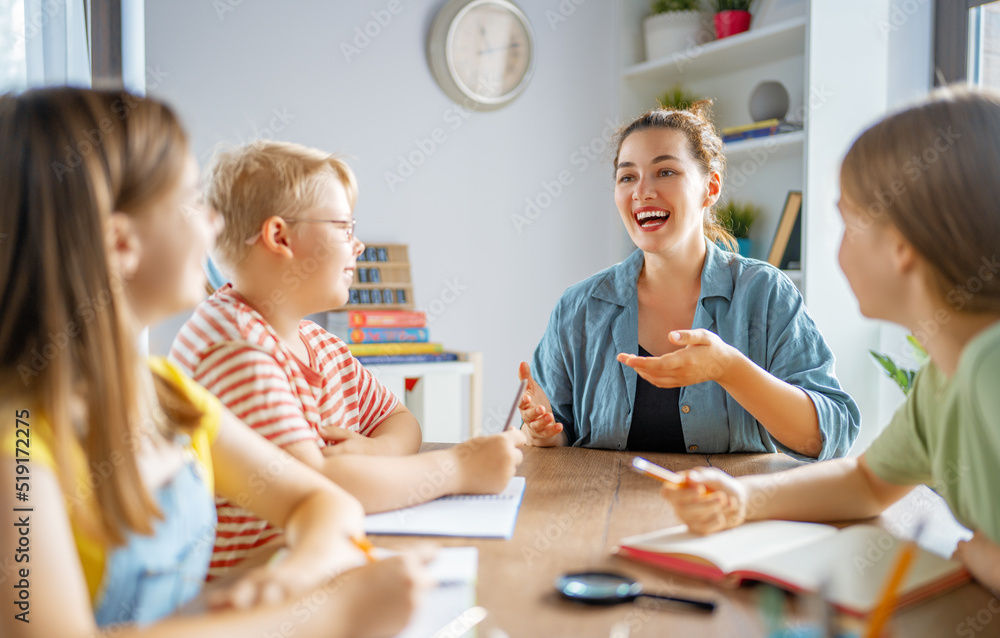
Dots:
pixel 731 17
pixel 738 218
pixel 677 98
pixel 674 25
pixel 902 376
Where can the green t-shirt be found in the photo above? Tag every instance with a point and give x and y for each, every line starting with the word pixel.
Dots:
pixel 947 435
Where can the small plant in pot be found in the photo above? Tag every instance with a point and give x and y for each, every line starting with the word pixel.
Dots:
pixel 674 26
pixel 738 218
pixel 677 98
pixel 731 17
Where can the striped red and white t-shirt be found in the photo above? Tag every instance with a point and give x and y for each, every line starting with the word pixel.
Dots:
pixel 230 349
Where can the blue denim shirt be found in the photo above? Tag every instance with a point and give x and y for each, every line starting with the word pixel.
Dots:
pixel 750 304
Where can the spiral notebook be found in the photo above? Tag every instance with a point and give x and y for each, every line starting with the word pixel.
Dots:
pixel 469 515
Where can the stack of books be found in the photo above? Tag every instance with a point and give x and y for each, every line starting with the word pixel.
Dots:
pixel 764 128
pixel 388 336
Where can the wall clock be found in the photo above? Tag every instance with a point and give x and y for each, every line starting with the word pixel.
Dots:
pixel 481 52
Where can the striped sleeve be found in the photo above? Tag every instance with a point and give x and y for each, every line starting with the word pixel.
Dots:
pixel 258 391
pixel 374 400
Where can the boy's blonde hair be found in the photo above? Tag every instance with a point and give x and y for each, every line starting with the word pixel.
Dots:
pixel 249 184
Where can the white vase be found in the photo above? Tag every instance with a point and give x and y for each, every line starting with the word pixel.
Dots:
pixel 668 33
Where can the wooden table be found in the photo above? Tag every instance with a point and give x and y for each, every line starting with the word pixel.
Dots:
pixel 579 503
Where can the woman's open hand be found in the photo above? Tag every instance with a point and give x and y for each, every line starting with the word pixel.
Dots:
pixel 703 357
pixel 540 424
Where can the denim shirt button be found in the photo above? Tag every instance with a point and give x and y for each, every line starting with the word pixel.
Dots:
pixel 693 448
pixel 685 409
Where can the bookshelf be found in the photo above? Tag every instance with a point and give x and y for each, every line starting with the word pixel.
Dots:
pixel 382 279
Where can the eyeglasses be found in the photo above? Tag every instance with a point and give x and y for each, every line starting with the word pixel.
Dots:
pixel 348 227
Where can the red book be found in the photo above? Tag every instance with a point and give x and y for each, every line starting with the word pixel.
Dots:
pixel 388 335
pixel 386 319
pixel 849 566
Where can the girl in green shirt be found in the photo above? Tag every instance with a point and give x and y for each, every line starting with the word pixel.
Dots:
pixel 921 248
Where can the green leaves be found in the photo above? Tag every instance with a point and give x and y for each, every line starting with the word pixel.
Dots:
pixel 731 5
pixel 737 217
pixel 669 6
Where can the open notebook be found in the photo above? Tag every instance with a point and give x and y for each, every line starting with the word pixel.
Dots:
pixel 472 515
pixel 850 564
pixel 448 609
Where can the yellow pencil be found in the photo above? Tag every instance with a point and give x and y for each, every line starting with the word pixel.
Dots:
pixel 884 609
pixel 365 545
pixel 671 479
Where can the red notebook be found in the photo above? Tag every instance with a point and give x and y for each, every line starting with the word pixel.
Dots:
pixel 850 565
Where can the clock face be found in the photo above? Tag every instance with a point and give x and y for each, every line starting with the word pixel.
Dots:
pixel 489 50
pixel 481 52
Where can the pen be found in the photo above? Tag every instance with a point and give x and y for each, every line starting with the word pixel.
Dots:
pixel 673 479
pixel 509 424
pixel 884 609
pixel 365 545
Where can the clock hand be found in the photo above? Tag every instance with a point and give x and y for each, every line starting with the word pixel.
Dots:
pixel 513 45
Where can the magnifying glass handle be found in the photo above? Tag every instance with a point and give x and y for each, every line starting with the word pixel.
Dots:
pixel 703 605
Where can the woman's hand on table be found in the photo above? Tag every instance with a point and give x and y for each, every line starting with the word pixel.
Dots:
pixel 703 357
pixel 709 501
pixel 540 425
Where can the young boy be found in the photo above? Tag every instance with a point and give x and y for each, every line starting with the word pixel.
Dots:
pixel 289 249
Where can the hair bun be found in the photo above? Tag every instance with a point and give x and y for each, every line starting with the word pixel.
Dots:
pixel 702 109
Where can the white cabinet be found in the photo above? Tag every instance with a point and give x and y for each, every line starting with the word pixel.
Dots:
pixel 446 399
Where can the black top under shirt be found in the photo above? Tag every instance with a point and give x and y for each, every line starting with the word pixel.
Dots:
pixel 656 418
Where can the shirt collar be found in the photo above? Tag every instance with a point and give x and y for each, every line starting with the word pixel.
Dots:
pixel 620 284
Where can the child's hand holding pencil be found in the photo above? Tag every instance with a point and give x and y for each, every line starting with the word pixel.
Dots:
pixel 707 500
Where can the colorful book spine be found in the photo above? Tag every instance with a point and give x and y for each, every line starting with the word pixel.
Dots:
pixel 407 358
pixel 386 319
pixel 388 335
pixel 380 349
pixel 732 130
pixel 746 135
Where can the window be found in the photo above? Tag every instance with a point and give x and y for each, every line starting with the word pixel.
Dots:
pixel 13 67
pixel 967 42
pixel 984 45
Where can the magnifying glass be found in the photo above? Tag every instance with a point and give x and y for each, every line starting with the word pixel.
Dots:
pixel 606 588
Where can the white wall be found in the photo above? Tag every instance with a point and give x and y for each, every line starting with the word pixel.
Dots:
pixel 887 65
pixel 238 69
pixel 911 61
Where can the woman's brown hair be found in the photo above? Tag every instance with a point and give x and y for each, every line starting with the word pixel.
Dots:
pixel 931 171
pixel 705 146
pixel 71 157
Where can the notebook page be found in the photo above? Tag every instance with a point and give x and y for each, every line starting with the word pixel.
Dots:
pixel 733 549
pixel 477 516
pixel 455 570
